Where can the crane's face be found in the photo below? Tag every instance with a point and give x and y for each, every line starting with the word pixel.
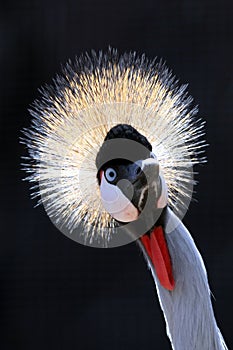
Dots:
pixel 124 187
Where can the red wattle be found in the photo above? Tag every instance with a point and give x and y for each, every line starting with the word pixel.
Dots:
pixel 156 247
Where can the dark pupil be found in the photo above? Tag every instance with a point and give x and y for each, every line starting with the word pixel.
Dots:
pixel 111 174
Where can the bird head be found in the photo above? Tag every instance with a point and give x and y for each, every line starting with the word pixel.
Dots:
pixel 129 175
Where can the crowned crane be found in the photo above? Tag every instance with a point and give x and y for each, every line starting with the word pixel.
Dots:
pixel 111 150
pixel 175 263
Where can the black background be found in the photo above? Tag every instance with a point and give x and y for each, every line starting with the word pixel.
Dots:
pixel 55 293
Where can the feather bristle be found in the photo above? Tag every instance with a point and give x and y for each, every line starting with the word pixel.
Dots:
pixel 76 111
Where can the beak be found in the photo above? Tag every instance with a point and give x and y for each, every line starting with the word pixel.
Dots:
pixel 143 176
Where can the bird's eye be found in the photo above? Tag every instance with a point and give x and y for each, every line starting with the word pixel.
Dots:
pixel 110 174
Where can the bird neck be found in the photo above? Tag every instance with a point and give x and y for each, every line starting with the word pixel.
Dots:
pixel 187 309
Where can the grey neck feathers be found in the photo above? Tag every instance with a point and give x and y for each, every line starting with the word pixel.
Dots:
pixel 187 309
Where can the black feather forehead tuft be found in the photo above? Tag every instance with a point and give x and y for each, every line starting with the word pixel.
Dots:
pixel 128 132
pixel 140 149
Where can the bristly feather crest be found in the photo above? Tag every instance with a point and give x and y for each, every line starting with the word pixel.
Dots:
pixel 73 116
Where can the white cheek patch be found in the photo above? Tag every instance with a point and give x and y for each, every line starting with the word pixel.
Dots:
pixel 116 203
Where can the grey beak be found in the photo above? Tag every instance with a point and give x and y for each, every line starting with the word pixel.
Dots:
pixel 141 176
